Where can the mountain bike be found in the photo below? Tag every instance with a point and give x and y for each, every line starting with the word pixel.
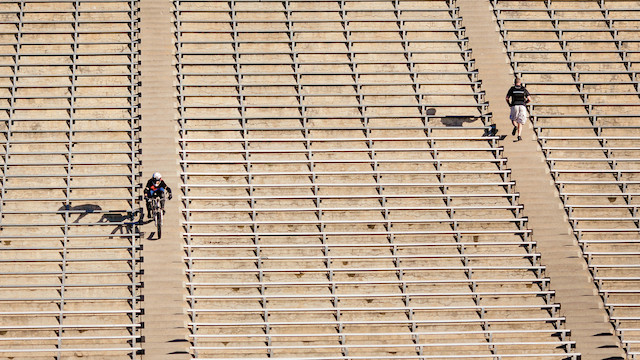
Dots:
pixel 157 212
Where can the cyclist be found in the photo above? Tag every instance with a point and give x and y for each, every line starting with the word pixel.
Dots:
pixel 155 187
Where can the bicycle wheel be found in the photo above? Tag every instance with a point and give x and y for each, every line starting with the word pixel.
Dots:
pixel 159 221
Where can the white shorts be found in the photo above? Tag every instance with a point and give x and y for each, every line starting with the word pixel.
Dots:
pixel 519 114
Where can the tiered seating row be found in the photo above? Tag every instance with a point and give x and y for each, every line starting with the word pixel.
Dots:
pixel 69 249
pixel 580 60
pixel 345 195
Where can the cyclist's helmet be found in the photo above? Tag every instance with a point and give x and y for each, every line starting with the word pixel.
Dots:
pixel 157 176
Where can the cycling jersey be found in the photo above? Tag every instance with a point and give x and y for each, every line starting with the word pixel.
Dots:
pixel 155 187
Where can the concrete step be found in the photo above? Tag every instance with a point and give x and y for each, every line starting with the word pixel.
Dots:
pixel 577 295
pixel 164 271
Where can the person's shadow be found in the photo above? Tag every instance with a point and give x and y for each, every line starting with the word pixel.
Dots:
pixel 119 218
pixel 457 121
pixel 82 210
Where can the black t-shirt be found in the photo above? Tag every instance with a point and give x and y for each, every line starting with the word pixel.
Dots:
pixel 518 95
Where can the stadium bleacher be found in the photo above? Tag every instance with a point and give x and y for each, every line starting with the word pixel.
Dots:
pixel 345 194
pixel 579 59
pixel 69 250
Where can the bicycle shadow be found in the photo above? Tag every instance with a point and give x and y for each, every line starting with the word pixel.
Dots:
pixel 152 235
pixel 123 227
